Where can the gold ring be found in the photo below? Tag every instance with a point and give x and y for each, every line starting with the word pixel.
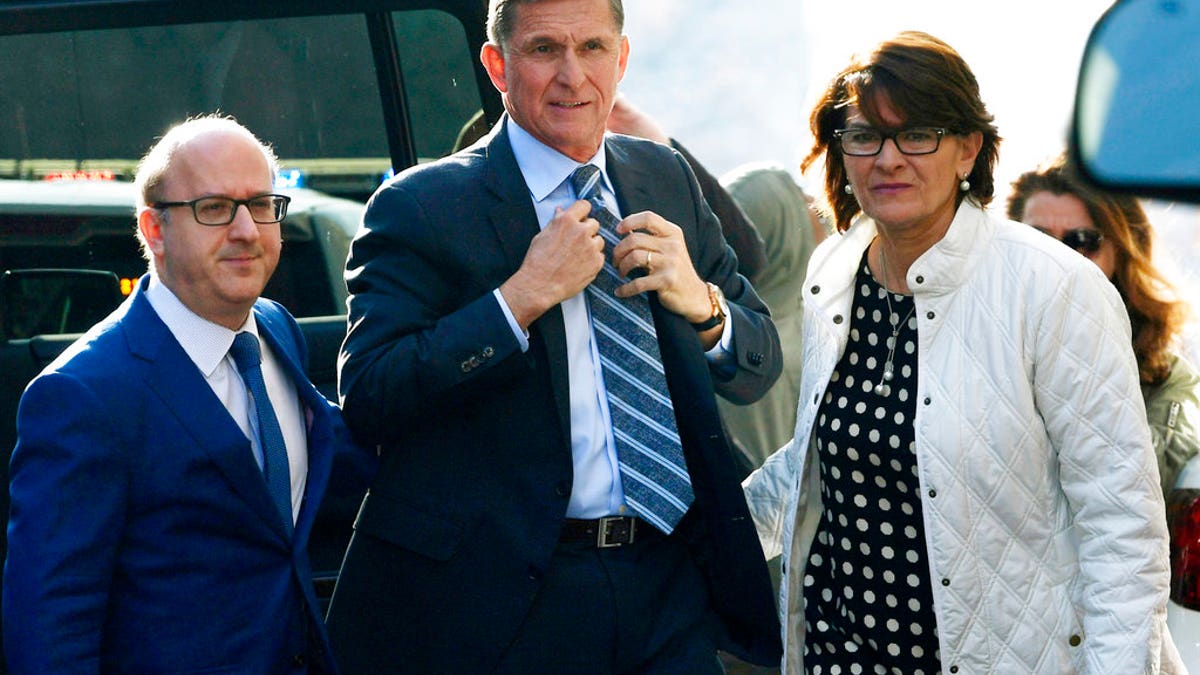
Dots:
pixel 649 263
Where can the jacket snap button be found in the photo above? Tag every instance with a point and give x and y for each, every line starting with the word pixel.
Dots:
pixel 920 279
pixel 837 319
pixel 927 400
pixel 945 582
pixel 1075 640
pixel 932 494
pixel 954 669
pixel 815 290
pixel 930 315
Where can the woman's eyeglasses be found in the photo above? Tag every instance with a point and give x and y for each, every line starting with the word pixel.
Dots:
pixel 1084 239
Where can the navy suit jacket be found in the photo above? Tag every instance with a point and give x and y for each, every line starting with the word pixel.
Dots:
pixel 142 537
pixel 477 470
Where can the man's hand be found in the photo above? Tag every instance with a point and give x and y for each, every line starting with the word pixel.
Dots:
pixel 656 246
pixel 561 261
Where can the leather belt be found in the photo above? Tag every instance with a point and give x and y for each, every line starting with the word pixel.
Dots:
pixel 607 532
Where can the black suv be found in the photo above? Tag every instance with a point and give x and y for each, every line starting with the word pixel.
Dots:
pixel 346 92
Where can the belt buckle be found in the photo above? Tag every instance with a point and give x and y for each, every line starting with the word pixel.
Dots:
pixel 607 538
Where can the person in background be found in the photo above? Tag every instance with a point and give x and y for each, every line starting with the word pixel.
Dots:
pixel 1112 230
pixel 170 463
pixel 739 230
pixel 790 229
pixel 555 491
pixel 971 487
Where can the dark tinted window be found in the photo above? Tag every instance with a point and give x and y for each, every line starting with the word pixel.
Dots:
pixel 97 99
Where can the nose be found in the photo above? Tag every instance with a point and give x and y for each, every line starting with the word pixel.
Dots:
pixel 890 153
pixel 243 226
pixel 570 70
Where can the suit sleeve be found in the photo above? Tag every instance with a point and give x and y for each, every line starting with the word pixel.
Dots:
pixel 421 337
pixel 69 489
pixel 756 352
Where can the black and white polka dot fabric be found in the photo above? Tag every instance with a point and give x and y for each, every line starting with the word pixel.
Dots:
pixel 868 603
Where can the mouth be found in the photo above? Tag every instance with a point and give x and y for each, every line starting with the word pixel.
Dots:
pixel 570 105
pixel 240 258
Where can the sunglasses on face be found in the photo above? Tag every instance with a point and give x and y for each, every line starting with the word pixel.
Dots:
pixel 1085 240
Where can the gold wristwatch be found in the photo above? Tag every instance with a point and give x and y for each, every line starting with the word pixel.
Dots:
pixel 717 298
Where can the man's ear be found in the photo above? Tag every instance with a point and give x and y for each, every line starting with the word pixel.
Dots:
pixel 493 63
pixel 150 225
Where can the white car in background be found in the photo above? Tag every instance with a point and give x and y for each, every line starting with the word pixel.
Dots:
pixel 1136 131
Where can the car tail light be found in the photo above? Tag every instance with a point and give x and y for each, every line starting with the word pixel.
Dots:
pixel 1183 517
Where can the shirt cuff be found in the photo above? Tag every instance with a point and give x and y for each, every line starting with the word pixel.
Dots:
pixel 518 332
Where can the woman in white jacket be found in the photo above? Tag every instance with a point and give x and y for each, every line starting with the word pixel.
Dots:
pixel 971 486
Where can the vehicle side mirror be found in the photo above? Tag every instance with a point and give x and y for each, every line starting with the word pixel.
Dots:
pixel 54 301
pixel 1136 127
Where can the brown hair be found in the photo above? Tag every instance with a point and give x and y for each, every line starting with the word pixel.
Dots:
pixel 924 81
pixel 1156 313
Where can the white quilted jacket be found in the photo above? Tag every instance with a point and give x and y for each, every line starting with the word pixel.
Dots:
pixel 1043 517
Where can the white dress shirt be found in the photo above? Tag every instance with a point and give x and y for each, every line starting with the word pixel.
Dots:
pixel 596 490
pixel 207 345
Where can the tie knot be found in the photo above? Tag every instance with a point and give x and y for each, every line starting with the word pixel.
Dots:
pixel 245 351
pixel 585 180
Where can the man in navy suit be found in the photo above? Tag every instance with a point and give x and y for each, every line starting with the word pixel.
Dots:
pixel 143 536
pixel 499 535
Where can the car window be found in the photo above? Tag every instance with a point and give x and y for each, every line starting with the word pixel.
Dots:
pixel 82 106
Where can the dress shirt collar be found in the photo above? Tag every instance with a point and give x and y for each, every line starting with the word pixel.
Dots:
pixel 545 168
pixel 205 342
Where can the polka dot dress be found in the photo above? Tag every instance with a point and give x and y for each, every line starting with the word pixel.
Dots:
pixel 868 603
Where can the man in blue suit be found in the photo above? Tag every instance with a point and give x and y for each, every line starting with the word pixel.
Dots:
pixel 160 506
pixel 513 526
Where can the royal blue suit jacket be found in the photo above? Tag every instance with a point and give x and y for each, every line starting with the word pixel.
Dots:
pixel 464 515
pixel 141 536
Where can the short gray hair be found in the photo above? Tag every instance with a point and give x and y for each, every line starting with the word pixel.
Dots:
pixel 501 21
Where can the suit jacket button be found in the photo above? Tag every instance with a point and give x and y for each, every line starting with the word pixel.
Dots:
pixel 563 489
pixel 755 358
pixel 466 366
pixel 488 352
pixel 298 660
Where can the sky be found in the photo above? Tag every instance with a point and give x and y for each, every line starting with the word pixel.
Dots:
pixel 734 80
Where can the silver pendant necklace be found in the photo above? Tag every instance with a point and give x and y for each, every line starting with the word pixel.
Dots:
pixel 882 388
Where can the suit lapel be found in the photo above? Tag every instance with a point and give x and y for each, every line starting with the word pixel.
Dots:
pixel 631 181
pixel 515 222
pixel 174 379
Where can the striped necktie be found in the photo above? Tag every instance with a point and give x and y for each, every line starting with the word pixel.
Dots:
pixel 248 357
pixel 654 474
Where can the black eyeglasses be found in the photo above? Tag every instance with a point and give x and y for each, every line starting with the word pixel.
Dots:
pixel 1083 239
pixel 866 142
pixel 215 211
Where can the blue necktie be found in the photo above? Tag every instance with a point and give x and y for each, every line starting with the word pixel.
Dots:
pixel 247 356
pixel 654 474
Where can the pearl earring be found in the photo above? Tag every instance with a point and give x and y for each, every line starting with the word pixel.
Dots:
pixel 965 184
pixel 848 189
